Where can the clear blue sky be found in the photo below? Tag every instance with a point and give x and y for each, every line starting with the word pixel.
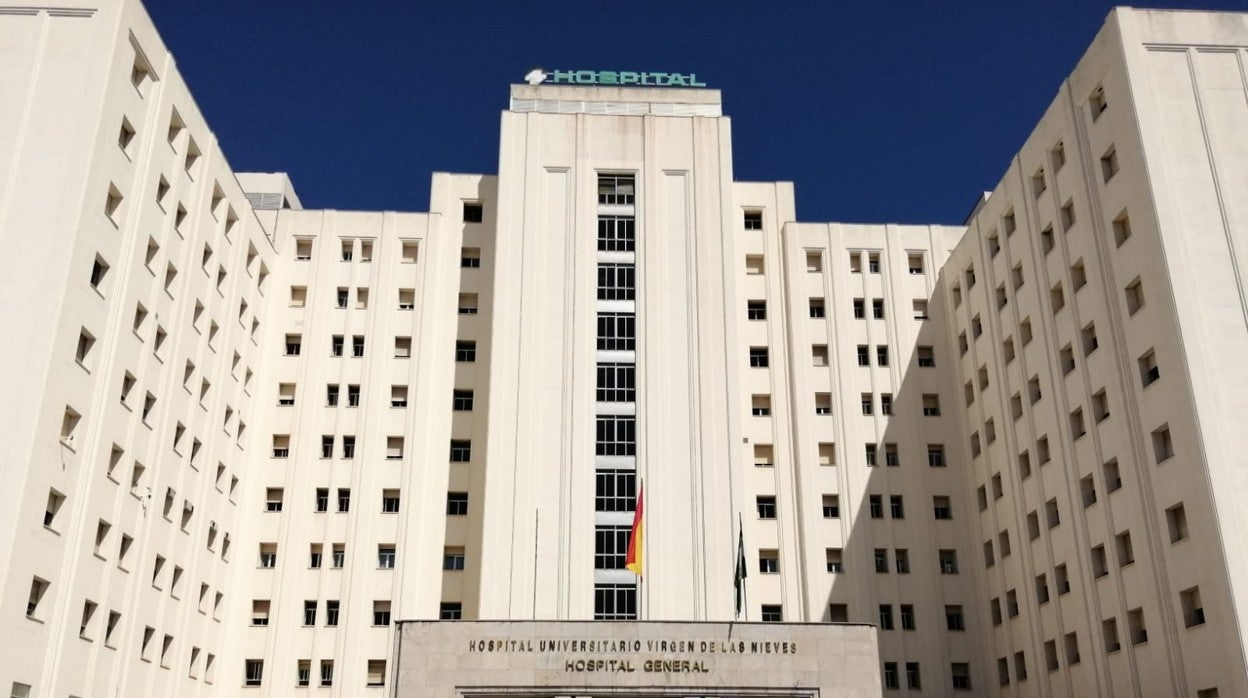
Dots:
pixel 878 111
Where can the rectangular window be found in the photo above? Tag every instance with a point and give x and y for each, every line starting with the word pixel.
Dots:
pixel 758 357
pixel 461 451
pixel 616 234
pixel 615 490
pixel 385 557
pixel 615 602
pixel 831 506
pixel 616 189
pixel 616 435
pixel 766 506
pixel 473 211
pixel 753 220
pixel 610 546
pixel 617 282
pixel 453 559
pixel 617 331
pixel 617 382
pixel 466 351
pixel 456 503
pixel 462 400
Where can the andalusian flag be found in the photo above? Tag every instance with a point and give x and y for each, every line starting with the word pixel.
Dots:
pixel 636 541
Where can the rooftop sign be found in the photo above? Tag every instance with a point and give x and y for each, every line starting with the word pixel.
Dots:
pixel 539 76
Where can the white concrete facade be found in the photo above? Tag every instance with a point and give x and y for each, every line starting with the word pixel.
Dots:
pixel 242 439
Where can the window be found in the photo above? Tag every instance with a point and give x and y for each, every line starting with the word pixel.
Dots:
pixel 467 303
pixel 935 455
pixel 1109 628
pixel 461 400
pixel 886 620
pixel 99 270
pixel 890 670
pixel 756 310
pixel 294 344
pixel 617 332
pixel 875 505
pixel 1003 671
pixel 410 250
pixel 926 357
pixel 990 560
pixel 407 299
pixel 615 490
pixel 377 667
pixel 994 244
pixel 1176 522
pixel 758 357
pixel 901 557
pixel 309 612
pixel 268 556
pixel 760 405
pixel 948 561
pixel 1126 554
pixel 942 508
pixel 1068 216
pixel 1134 295
pixel 348 250
pixel 817 309
pixel 1109 164
pixel 253 672
pixel 877 308
pixel 892 457
pixel 390 501
pixel 466 351
pixel 357 346
pixel 896 508
pixel 864 355
pixel 1077 428
pixel 827 454
pixel 867 404
pixel 914 262
pixel 321 501
pixel 616 282
pixel 281 445
pixel 860 308
pixel 920 309
pixel 461 451
pixel 385 557
pixel 1193 611
pixel 1072 649
pixel 1100 566
pixel 616 189
pixel 881 354
pixel 954 619
pixel 381 613
pixel 402 347
pixel 754 264
pixel 112 204
pixel 456 503
pixel 473 212
pixel 753 220
pixel 766 506
pixel 834 561
pixel 1135 625
pixel 610 546
pixel 1038 185
pixel 963 345
pixel 616 435
pixel 616 383
pixel 769 561
pixel 823 403
pixel 615 602
pixel 260 612
pixel 772 613
pixel 831 506
pixel 273 497
pixel 1122 228
pixel 453 559
pixel 335 345
pixel 814 261
pixel 907 615
pixel 873 262
pixel 343 295
pixel 931 405
pixel 314 555
pixel 960 673
pixel 327 672
pixel 616 234
pixel 344 500
pixel 1163 445
pixel 327 447
pixel 1149 372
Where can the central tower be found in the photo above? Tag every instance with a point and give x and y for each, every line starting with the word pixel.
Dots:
pixel 616 279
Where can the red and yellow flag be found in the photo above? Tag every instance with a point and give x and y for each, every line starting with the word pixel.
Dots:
pixel 636 541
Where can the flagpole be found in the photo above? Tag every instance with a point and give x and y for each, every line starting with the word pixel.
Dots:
pixel 745 593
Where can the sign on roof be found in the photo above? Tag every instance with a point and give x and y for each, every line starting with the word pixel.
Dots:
pixel 539 76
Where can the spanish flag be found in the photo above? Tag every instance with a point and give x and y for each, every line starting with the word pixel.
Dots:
pixel 636 540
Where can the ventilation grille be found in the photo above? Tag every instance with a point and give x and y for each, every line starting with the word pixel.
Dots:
pixel 554 106
pixel 265 202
